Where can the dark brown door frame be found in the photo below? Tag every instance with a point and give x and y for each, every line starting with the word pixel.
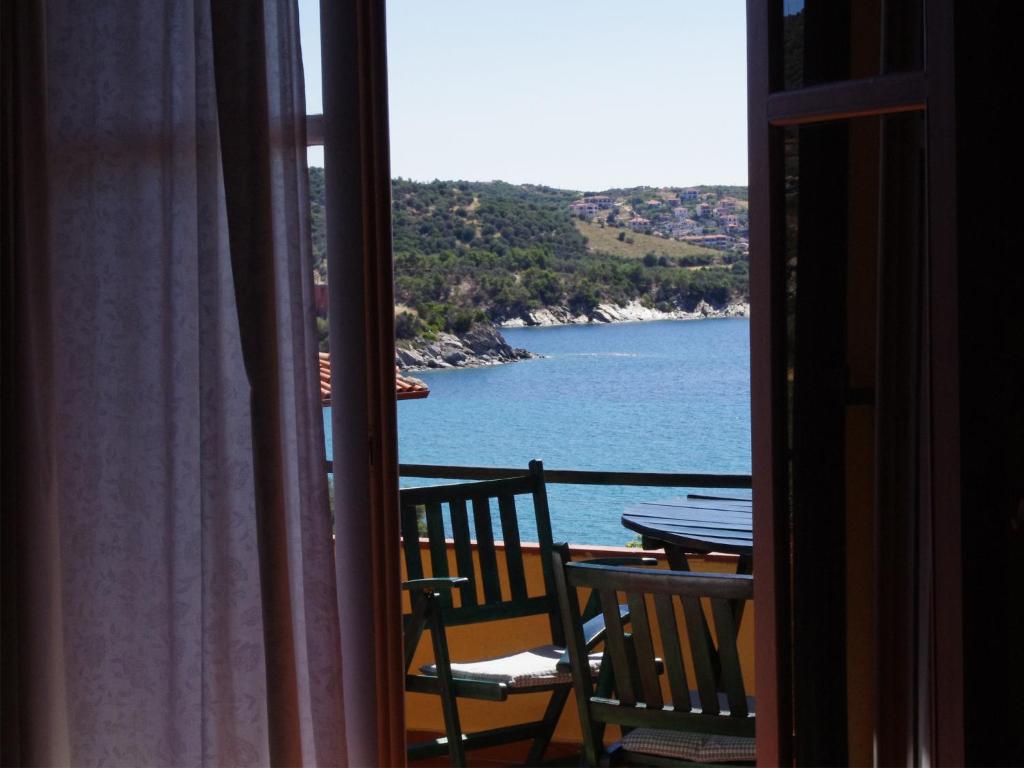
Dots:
pixel 942 672
pixel 767 398
pixel 935 665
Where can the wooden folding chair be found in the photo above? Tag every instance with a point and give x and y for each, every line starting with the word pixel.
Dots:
pixel 714 723
pixel 465 515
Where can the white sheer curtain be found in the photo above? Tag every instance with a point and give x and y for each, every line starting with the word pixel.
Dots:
pixel 174 598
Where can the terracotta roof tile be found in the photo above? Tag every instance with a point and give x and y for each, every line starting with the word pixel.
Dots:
pixel 406 387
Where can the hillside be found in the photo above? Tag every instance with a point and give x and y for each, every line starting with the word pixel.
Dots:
pixel 636 245
pixel 474 251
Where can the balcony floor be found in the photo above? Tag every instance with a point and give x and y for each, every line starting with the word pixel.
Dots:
pixel 558 754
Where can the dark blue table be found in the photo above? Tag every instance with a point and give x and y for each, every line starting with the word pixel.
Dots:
pixel 695 525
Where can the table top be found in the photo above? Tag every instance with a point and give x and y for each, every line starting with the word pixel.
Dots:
pixel 695 524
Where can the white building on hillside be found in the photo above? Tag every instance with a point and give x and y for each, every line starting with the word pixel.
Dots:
pixel 582 208
pixel 710 241
pixel 683 228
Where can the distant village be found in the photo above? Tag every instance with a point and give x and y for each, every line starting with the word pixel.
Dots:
pixel 687 215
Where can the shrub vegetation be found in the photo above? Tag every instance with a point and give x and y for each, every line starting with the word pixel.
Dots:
pixel 471 251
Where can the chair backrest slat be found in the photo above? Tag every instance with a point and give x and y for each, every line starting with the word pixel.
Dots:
pixel 411 540
pixel 700 650
pixel 643 646
pixel 465 513
pixel 674 666
pixel 435 535
pixel 438 546
pixel 728 654
pixel 485 549
pixel 513 547
pixel 544 534
pixel 463 550
pixel 616 644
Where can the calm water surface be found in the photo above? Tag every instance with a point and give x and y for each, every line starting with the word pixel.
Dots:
pixel 670 396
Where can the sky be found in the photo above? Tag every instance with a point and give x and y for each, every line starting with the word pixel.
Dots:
pixel 585 95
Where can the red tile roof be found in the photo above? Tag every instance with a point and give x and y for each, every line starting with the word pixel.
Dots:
pixel 406 388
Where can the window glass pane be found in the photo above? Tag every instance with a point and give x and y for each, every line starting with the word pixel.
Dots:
pixel 824 41
pixel 309 31
pixel 853 194
pixel 309 38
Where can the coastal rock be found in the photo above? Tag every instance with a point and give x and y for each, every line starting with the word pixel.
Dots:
pixel 409 358
pixel 736 310
pixel 486 340
pixel 481 345
pixel 632 312
pixel 549 316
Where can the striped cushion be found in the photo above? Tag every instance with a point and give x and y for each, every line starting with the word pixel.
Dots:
pixel 528 669
pixel 697 747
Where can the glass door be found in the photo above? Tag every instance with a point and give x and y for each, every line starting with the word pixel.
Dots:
pixel 850 149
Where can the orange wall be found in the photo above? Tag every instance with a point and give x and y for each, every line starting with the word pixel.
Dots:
pixel 423 711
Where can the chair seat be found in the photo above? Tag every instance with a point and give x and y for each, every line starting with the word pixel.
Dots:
pixel 687 745
pixel 528 669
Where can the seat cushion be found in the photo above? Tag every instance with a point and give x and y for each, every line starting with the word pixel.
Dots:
pixel 528 669
pixel 687 745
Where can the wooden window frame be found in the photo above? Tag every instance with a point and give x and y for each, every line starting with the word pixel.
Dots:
pixel 933 668
pixel 354 132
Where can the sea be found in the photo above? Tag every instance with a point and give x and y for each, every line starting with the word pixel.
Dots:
pixel 664 396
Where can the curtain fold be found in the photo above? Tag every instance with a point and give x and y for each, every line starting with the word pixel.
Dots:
pixel 165 501
pixel 26 399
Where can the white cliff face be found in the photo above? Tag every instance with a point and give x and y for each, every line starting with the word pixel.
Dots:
pixel 553 316
pixel 633 312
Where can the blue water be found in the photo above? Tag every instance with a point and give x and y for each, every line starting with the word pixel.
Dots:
pixel 670 396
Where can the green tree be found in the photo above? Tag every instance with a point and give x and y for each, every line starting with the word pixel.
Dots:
pixel 542 284
pixel 407 325
pixel 322 329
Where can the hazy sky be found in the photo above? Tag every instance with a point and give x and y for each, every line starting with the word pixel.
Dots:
pixel 569 93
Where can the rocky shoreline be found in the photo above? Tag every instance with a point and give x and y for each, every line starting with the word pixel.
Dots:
pixel 633 312
pixel 484 345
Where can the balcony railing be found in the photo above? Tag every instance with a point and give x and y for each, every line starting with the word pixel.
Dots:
pixel 576 476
